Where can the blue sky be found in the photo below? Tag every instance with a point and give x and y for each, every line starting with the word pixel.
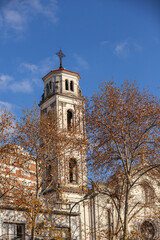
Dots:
pixel 102 39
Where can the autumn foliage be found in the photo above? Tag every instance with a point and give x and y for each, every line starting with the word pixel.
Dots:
pixel 32 149
pixel 123 127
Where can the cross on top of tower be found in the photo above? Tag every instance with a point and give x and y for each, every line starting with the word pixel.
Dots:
pixel 60 54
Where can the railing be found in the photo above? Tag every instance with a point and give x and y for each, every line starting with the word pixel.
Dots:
pixel 44 97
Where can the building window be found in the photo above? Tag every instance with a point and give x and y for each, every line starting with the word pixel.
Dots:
pixel 73 171
pixel 69 120
pixel 71 86
pixel 14 231
pixel 50 86
pixel 149 193
pixel 147 230
pixel 66 85
pixel 49 173
pixel 47 89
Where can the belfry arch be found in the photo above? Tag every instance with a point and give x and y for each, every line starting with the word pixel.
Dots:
pixel 73 171
pixel 69 120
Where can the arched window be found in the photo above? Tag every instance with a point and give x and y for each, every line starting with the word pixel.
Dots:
pixel 149 193
pixel 69 120
pixel 73 171
pixel 71 86
pixel 49 173
pixel 50 85
pixel 66 85
pixel 47 89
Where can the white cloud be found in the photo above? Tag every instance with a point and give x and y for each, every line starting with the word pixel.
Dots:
pixel 7 105
pixel 27 66
pixel 14 19
pixel 49 10
pixel 44 66
pixel 35 72
pixel 104 43
pixel 122 49
pixel 23 87
pixel 81 62
pixel 16 14
pixel 4 80
pixel 33 75
pixel 7 83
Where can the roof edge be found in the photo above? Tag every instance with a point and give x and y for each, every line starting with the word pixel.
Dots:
pixel 60 70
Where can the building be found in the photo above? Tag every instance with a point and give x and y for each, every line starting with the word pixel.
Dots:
pixel 14 172
pixel 63 95
pixel 84 214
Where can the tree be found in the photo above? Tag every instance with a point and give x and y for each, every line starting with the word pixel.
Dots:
pixel 7 127
pixel 123 126
pixel 38 137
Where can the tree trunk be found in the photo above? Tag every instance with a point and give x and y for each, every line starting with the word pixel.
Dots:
pixel 125 231
pixel 32 233
pixel 33 228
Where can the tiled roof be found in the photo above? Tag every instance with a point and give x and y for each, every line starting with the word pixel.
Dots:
pixel 60 69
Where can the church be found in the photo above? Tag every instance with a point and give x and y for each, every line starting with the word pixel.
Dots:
pixel 87 213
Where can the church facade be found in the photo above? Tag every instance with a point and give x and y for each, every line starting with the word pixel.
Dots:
pixel 85 215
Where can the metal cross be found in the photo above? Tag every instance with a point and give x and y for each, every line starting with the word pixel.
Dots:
pixel 60 54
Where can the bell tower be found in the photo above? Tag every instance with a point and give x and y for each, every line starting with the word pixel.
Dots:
pixel 62 92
